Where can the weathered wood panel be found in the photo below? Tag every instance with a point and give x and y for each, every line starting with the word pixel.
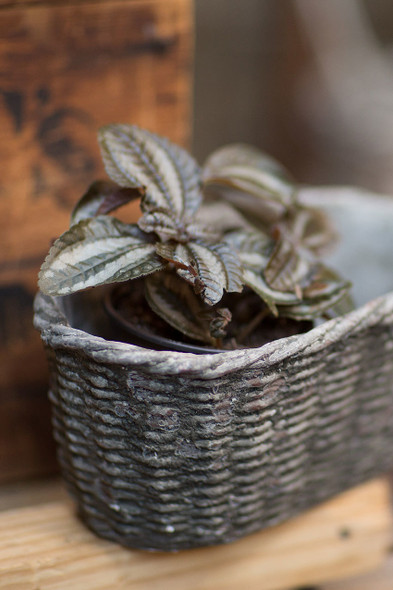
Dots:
pixel 65 70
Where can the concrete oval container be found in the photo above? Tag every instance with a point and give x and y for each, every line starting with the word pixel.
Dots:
pixel 171 450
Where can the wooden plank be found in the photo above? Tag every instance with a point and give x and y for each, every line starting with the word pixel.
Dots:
pixel 65 70
pixel 30 493
pixel 46 547
pixel 380 579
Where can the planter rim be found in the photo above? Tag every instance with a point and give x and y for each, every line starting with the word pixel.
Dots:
pixel 56 332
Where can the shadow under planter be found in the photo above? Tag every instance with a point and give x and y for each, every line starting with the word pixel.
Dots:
pixel 170 450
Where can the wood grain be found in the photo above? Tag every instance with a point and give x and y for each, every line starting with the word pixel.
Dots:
pixel 380 579
pixel 46 547
pixel 65 70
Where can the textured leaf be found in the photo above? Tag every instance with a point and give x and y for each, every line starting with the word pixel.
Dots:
pixel 95 252
pixel 135 157
pixel 272 298
pixel 253 247
pixel 189 174
pixel 323 282
pixel 259 183
pixel 254 250
pixel 326 291
pixel 238 154
pixel 210 268
pixel 163 225
pixel 251 181
pixel 286 268
pixel 178 255
pixel 311 309
pixel 260 213
pixel 167 228
pixel 102 197
pixel 219 320
pixel 177 304
pixel 307 229
pixel 303 288
pixel 343 305
pixel 317 233
pixel 301 236
pixel 220 216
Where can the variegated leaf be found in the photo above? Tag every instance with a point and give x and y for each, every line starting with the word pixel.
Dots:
pixel 316 233
pixel 210 268
pixel 231 265
pixel 222 217
pixel 219 320
pixel 307 229
pixel 95 252
pixel 102 197
pixel 324 282
pixel 343 305
pixel 254 248
pixel 162 224
pixel 251 181
pixel 311 309
pixel 286 268
pixel 260 213
pixel 167 228
pixel 189 174
pixel 272 298
pixel 239 154
pixel 177 304
pixel 135 157
pixel 177 255
pixel 300 237
pixel 259 183
pixel 326 291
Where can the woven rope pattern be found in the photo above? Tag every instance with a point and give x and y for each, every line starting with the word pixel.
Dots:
pixel 170 450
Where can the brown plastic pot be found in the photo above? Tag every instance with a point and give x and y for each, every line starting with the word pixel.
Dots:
pixel 142 337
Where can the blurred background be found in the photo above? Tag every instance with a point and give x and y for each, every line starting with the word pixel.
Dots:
pixel 309 81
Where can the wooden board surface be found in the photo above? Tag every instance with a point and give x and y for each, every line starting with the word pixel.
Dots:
pixel 46 547
pixel 380 579
pixel 66 68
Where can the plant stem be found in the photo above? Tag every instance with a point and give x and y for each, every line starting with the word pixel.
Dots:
pixel 254 323
pixel 217 343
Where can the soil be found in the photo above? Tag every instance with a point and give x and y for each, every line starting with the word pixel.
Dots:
pixel 129 302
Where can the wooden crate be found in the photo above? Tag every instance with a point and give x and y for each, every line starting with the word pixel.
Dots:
pixel 65 70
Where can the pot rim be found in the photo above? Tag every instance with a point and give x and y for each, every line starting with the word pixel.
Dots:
pixel 51 320
pixel 56 332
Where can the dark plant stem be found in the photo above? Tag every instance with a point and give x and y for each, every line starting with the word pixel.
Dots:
pixel 217 343
pixel 253 324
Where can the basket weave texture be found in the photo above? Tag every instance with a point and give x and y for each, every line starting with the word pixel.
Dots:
pixel 167 450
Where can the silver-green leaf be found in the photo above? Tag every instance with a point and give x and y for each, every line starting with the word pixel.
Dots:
pixel 176 303
pixel 259 183
pixel 254 183
pixel 170 176
pixel 240 154
pixel 326 291
pixel 272 298
pixel 286 268
pixel 210 267
pixel 95 252
pixel 254 249
pixel 102 197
